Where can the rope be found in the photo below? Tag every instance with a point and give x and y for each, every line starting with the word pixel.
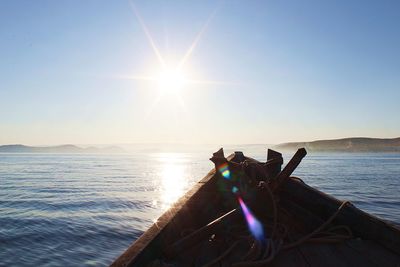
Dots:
pixel 274 247
pixel 275 244
pixel 264 185
pixel 322 226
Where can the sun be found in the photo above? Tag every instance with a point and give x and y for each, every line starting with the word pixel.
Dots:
pixel 171 80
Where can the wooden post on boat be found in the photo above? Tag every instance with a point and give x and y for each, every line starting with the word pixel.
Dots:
pixel 272 156
pixel 218 157
pixel 289 169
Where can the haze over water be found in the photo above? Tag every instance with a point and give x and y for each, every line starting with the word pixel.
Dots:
pixel 85 210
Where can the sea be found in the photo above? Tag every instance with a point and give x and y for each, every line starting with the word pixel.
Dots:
pixel 86 209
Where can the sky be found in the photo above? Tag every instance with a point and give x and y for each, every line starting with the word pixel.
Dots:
pixel 252 72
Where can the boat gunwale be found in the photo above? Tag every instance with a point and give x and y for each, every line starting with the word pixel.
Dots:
pixel 130 256
pixel 350 215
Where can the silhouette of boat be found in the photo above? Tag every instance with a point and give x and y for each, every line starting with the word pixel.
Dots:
pixel 248 213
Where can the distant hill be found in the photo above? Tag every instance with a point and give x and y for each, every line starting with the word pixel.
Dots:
pixel 357 144
pixel 58 149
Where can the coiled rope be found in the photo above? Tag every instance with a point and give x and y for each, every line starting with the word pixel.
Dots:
pixel 275 245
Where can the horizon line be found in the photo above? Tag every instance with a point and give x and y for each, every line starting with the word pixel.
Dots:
pixel 182 144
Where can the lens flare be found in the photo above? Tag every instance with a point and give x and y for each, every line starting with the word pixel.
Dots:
pixel 171 81
pixel 224 170
pixel 254 225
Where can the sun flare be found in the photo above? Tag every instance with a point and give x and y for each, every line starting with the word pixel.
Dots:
pixel 171 81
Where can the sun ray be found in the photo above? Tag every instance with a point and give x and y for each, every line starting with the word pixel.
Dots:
pixel 134 77
pixel 171 79
pixel 212 82
pixel 148 35
pixel 197 39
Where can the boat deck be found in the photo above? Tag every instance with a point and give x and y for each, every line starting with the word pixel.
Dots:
pixel 304 227
pixel 354 251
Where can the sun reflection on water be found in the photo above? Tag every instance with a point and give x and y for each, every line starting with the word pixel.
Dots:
pixel 173 182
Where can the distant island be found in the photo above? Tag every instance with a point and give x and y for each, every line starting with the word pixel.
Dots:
pixel 58 149
pixel 356 144
pixel 353 144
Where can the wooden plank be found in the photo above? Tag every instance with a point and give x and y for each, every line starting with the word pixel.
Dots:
pixel 207 252
pixel 188 257
pixel 311 221
pixel 350 256
pixel 332 255
pixel 362 224
pixel 290 257
pixel 305 220
pixel 320 255
pixel 375 252
pixel 202 233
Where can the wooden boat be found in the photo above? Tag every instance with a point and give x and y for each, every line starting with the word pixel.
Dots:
pixel 247 213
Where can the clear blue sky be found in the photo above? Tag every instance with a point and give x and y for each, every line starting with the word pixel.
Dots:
pixel 287 71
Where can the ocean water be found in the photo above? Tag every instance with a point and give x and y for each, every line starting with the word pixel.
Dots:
pixel 85 210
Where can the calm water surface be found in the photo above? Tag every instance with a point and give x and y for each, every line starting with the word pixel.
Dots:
pixel 84 210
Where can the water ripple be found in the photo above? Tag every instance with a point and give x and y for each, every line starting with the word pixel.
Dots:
pixel 84 210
